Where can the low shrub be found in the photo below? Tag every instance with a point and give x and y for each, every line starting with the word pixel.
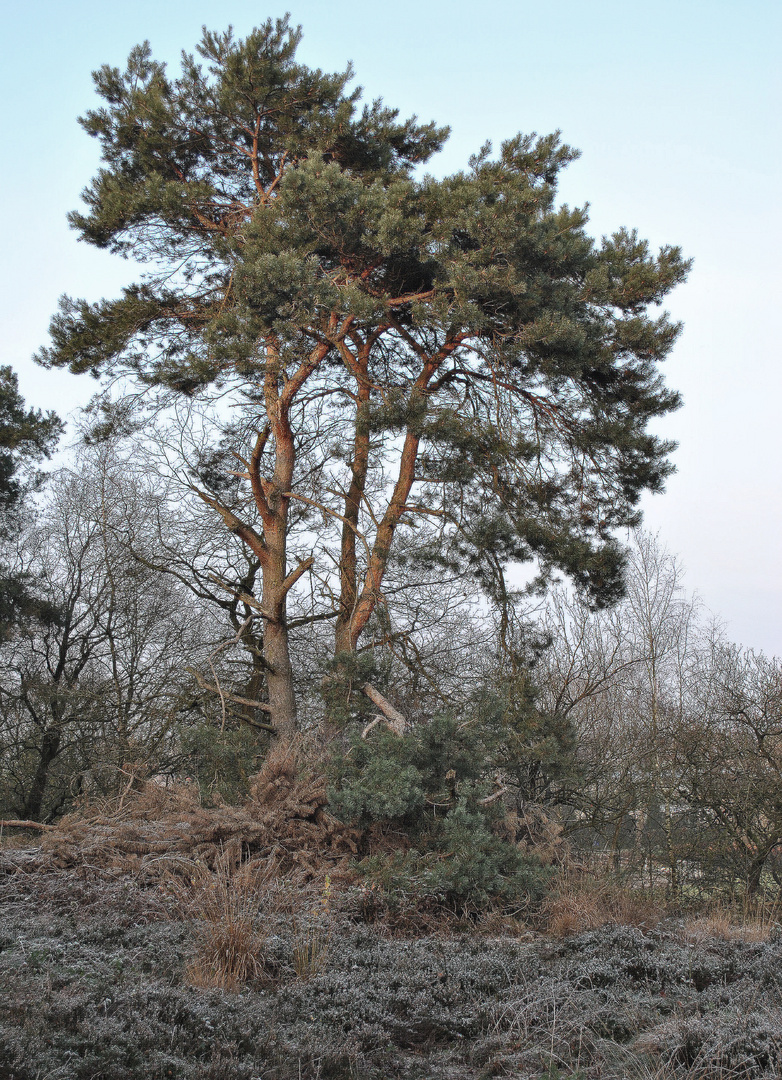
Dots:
pixel 94 983
pixel 465 868
pixel 439 788
pixel 737 1046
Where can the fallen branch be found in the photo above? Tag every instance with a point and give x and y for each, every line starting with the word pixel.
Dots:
pixel 25 825
pixel 394 719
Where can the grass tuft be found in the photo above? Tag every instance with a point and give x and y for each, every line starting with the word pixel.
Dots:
pixel 581 901
pixel 226 905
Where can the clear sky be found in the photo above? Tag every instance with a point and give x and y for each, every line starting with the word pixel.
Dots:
pixel 676 107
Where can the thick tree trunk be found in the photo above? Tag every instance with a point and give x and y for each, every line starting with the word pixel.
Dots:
pixel 272 497
pixel 276 650
pixel 279 682
pixel 50 748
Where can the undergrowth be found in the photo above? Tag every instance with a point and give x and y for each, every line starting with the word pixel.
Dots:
pixel 165 939
pixel 96 974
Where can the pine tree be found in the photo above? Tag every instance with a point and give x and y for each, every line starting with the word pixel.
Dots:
pixel 404 350
pixel 26 436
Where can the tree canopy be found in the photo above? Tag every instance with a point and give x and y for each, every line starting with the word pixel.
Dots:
pixel 446 368
pixel 26 436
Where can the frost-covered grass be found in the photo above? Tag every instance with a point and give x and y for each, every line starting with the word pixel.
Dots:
pixel 95 980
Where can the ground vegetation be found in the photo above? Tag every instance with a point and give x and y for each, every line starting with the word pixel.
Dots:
pixel 104 976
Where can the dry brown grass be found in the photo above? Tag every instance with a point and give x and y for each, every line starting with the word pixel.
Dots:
pixel 16 839
pixel 534 831
pixel 312 935
pixel 227 906
pixel 736 922
pixel 226 869
pixel 583 900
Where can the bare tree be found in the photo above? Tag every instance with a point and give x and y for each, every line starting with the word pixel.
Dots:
pixel 629 678
pixel 734 761
pixel 100 683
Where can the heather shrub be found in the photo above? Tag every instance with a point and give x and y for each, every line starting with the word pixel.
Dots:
pixel 95 986
pixel 744 1046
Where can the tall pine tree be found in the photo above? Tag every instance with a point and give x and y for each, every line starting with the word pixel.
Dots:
pixel 400 350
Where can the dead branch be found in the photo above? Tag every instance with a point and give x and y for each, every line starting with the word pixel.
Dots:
pixel 231 641
pixel 25 825
pixel 493 797
pixel 396 722
pixel 230 697
pixel 245 597
pixel 372 724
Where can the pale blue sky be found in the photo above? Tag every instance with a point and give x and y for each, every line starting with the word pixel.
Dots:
pixel 676 108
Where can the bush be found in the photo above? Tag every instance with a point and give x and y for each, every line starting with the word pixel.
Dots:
pixel 379 788
pixel 462 867
pixel 221 760
pixel 436 786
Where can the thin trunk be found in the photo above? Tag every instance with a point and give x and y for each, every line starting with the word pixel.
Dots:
pixel 381 549
pixel 51 739
pixel 253 687
pixel 370 592
pixel 670 851
pixel 616 850
pixel 756 871
pixel 348 576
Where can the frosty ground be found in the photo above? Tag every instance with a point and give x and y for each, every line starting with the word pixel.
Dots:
pixel 98 967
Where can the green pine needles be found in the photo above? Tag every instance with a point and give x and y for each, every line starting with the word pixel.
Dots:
pixel 446 788
pixel 26 436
